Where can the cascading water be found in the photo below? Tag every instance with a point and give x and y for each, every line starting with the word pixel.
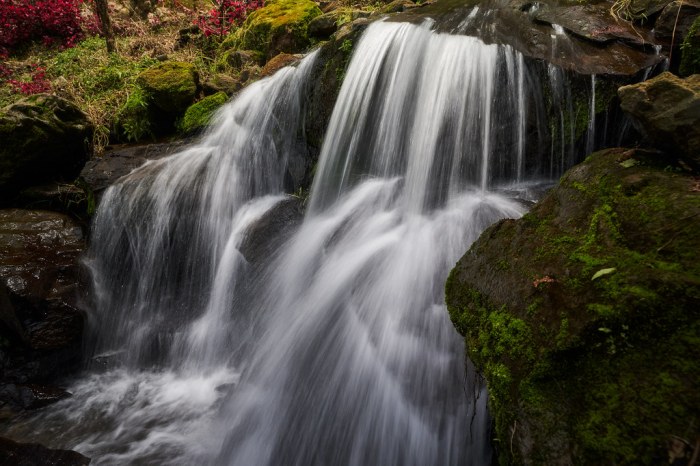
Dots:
pixel 338 349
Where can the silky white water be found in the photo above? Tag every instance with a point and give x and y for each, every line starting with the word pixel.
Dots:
pixel 336 347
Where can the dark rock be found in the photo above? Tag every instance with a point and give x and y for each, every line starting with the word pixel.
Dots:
pixel 594 42
pixel 31 396
pixel 222 83
pixel 584 314
pixel 643 10
pixel 398 6
pixel 264 237
pixel 44 138
pixel 690 58
pixel 673 25
pixel 74 199
pixel 323 26
pixel 40 291
pixel 33 454
pixel 102 172
pixel 667 110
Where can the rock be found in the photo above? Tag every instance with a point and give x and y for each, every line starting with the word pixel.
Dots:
pixel 100 173
pixel 690 59
pixel 44 138
pixel 170 86
pixel 222 83
pixel 31 396
pixel 279 62
pixel 281 26
pixel 198 115
pixel 264 237
pixel 75 199
pixel 40 290
pixel 33 454
pixel 323 26
pixel 674 26
pixel 644 10
pixel 667 110
pixel 584 314
pixel 593 41
pixel 398 6
pixel 238 59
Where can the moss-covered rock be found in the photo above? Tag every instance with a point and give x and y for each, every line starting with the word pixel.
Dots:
pixel 198 116
pixel 690 59
pixel 278 62
pixel 280 26
pixel 667 110
pixel 584 315
pixel 44 138
pixel 171 86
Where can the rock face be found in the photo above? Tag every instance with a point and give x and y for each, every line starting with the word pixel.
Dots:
pixel 171 86
pixel 44 138
pixel 41 325
pixel 584 315
pixel 581 37
pixel 667 110
pixel 32 454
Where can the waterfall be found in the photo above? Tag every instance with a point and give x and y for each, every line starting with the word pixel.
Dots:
pixel 336 348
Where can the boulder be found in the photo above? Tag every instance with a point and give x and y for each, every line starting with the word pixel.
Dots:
pixel 171 86
pixel 584 314
pixel 198 115
pixel 33 454
pixel 667 110
pixel 280 26
pixel 44 138
pixel 278 62
pixel 672 24
pixel 323 26
pixel 41 324
pixel 238 59
pixel 222 83
pixel 398 6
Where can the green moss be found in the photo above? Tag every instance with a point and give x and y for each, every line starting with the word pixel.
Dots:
pixel 589 371
pixel 690 59
pixel 280 26
pixel 134 118
pixel 171 86
pixel 198 115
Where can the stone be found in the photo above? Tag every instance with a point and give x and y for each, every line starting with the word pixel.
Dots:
pixel 667 110
pixel 44 138
pixel 222 83
pixel 398 6
pixel 198 115
pixel 672 26
pixel 281 26
pixel 278 62
pixel 33 454
pixel 170 86
pixel 238 59
pixel 323 26
pixel 583 315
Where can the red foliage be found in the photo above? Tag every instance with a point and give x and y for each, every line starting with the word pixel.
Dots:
pixel 51 21
pixel 225 14
pixel 38 82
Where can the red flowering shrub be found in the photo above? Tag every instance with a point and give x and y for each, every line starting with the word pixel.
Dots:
pixel 51 21
pixel 37 84
pixel 225 14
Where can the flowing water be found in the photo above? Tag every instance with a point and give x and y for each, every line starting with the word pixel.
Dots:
pixel 335 347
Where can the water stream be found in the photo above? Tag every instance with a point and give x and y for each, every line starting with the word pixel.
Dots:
pixel 335 347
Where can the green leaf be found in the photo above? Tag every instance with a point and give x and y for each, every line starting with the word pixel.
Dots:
pixel 602 272
pixel 629 163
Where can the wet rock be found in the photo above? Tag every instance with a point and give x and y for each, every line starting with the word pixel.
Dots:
pixel 323 26
pixel 44 138
pixel 644 10
pixel 102 172
pixel 31 396
pixel 673 25
pixel 667 110
pixel 584 314
pixel 264 237
pixel 40 294
pixel 593 41
pixel 33 454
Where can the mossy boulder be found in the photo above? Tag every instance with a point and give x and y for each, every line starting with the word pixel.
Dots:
pixel 44 138
pixel 237 59
pixel 667 110
pixel 690 58
pixel 171 86
pixel 584 316
pixel 280 26
pixel 198 116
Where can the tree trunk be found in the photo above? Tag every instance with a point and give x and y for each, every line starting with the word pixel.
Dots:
pixel 103 15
